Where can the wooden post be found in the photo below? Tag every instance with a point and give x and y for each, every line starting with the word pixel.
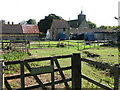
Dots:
pixel 84 44
pixel 90 43
pixel 97 42
pixel 116 78
pixel 52 75
pixel 2 45
pixel 68 44
pixel 78 45
pixel 94 44
pixel 76 71
pixel 49 43
pixel 22 74
pixel 39 43
pixel 1 74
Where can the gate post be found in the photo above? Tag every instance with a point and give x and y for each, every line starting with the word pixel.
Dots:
pixel 76 71
pixel 116 77
pixel 1 74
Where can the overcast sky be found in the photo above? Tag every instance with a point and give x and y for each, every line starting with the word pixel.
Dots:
pixel 101 12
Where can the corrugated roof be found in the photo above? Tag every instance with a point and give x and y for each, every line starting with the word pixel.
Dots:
pixel 9 28
pixel 60 24
pixel 30 29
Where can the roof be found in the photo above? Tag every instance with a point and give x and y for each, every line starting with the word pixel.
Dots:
pixel 9 28
pixel 60 24
pixel 75 31
pixel 19 29
pixel 73 23
pixel 30 29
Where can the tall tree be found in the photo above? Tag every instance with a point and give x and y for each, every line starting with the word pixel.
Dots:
pixel 45 23
pixel 31 21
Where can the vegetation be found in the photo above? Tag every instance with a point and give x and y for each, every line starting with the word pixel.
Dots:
pixel 12 56
pixel 31 21
pixel 108 27
pixel 92 25
pixel 45 23
pixel 107 55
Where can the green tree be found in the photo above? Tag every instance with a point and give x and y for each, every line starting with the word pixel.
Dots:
pixel 92 25
pixel 31 21
pixel 45 23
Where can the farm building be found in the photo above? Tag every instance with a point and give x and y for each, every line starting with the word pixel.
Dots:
pixel 20 32
pixel 94 34
pixel 79 29
pixel 59 30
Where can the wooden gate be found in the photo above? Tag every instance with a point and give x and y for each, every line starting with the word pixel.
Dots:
pixel 75 67
pixel 39 70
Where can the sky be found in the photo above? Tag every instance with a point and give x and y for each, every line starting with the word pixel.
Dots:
pixel 101 12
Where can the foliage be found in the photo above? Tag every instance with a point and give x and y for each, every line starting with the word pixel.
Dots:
pixel 91 24
pixel 45 23
pixel 31 21
pixel 11 56
pixel 23 22
pixel 15 55
pixel 2 21
pixel 108 27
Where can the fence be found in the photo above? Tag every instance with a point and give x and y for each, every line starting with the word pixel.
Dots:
pixel 77 44
pixel 15 45
pixel 75 67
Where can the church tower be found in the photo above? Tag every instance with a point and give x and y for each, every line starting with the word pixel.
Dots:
pixel 81 17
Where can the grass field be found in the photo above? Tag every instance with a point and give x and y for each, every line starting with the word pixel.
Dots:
pixel 76 44
pixel 107 55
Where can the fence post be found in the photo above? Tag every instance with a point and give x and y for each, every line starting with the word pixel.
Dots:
pixel 116 78
pixel 78 45
pixel 84 44
pixel 22 74
pixel 1 74
pixel 2 45
pixel 68 44
pixel 52 74
pixel 76 71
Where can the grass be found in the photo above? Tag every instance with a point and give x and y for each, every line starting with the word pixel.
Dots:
pixel 76 44
pixel 92 72
pixel 107 55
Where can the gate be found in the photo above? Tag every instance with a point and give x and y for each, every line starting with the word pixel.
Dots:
pixel 75 67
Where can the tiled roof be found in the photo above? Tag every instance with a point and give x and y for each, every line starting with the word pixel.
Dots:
pixel 30 29
pixel 16 28
pixel 8 28
pixel 60 24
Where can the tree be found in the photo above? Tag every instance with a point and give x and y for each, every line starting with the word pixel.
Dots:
pixel 2 21
pixel 92 25
pixel 45 23
pixel 23 22
pixel 31 21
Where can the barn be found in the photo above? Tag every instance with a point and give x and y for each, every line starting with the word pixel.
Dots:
pixel 95 34
pixel 59 30
pixel 19 32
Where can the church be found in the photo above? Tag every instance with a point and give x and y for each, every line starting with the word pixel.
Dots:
pixel 79 23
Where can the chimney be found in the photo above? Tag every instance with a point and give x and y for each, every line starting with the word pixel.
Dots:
pixel 8 22
pixel 12 23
